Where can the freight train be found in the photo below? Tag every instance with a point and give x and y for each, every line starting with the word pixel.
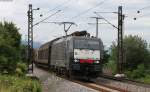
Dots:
pixel 74 55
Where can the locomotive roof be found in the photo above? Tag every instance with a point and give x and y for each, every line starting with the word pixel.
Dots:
pixel 63 38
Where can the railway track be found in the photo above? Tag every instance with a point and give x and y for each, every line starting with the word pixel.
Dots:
pixel 126 80
pixel 90 84
pixel 123 83
pixel 99 87
pixel 105 84
pixel 94 85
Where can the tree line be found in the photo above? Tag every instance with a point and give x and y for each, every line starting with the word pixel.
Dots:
pixel 136 63
pixel 11 50
pixel 136 52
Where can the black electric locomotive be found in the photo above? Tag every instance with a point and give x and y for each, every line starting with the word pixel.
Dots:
pixel 74 55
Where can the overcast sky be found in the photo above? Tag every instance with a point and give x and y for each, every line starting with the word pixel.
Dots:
pixel 78 11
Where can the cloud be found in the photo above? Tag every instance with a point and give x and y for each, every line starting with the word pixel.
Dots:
pixel 6 9
pixel 87 3
pixel 16 11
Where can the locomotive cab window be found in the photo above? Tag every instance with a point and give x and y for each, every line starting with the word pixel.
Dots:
pixel 87 49
pixel 86 44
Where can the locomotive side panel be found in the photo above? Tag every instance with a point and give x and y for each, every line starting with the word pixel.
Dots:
pixel 58 54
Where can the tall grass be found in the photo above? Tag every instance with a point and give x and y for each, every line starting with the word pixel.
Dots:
pixel 16 84
pixel 145 79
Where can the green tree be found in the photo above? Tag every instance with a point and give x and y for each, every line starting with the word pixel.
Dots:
pixel 136 54
pixel 10 40
pixel 106 56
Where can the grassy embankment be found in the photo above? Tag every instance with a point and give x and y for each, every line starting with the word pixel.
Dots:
pixel 139 74
pixel 18 84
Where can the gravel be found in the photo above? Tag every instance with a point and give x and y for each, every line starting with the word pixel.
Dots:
pixel 122 85
pixel 51 83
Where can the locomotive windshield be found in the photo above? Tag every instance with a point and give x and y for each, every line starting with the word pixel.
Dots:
pixel 86 44
pixel 87 49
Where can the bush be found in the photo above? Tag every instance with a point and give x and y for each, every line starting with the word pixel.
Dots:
pixel 112 66
pixel 9 47
pixel 21 69
pixel 16 84
pixel 145 79
pixel 137 73
pixel 3 62
pixel 135 52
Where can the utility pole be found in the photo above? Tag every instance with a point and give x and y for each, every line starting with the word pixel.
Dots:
pixel 120 55
pixel 120 50
pixel 30 38
pixel 97 18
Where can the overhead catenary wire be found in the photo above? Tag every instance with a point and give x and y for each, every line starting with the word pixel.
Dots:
pixel 144 8
pixel 139 11
pixel 63 6
pixel 47 17
pixel 106 20
pixel 60 5
pixel 144 15
pixel 84 12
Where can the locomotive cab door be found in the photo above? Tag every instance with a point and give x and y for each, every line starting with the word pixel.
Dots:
pixel 69 52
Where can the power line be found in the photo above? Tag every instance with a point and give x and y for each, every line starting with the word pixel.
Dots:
pixel 135 18
pixel 60 5
pixel 108 12
pixel 47 18
pixel 63 8
pixel 144 8
pixel 106 20
pixel 95 23
pixel 88 9
pixel 65 24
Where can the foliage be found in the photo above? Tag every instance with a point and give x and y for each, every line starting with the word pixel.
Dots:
pixel 136 64
pixel 105 57
pixel 21 69
pixel 9 47
pixel 136 52
pixel 111 66
pixel 16 84
pixel 137 73
pixel 23 49
pixel 145 79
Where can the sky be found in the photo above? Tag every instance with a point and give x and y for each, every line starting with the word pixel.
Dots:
pixel 79 12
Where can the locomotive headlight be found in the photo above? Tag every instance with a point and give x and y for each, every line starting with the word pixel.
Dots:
pixel 96 62
pixel 76 60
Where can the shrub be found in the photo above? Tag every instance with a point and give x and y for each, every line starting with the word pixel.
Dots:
pixel 137 73
pixel 21 69
pixel 111 65
pixel 16 84
pixel 146 79
pixel 9 47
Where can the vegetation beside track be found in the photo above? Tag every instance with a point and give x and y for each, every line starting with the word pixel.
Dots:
pixel 18 84
pixel 13 67
pixel 11 49
pixel 136 64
